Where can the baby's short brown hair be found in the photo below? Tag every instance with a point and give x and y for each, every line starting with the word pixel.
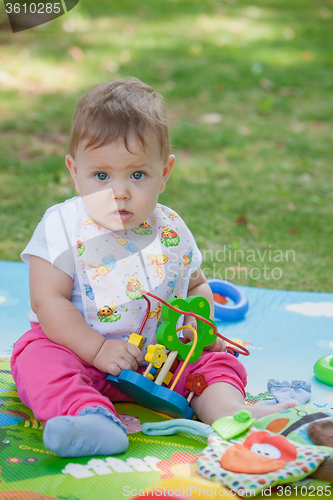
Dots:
pixel 112 110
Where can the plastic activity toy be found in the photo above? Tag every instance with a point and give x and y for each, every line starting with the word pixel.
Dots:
pixel 147 389
pixel 230 427
pixel 196 384
pixel 226 289
pixel 323 369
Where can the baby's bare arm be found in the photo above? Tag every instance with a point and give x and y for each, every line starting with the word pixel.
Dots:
pixel 50 293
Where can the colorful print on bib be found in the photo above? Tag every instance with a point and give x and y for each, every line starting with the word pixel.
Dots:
pixel 158 261
pixel 188 258
pixel 108 314
pixel 133 288
pixel 90 222
pixel 169 237
pixel 125 243
pixel 143 228
pixel 80 247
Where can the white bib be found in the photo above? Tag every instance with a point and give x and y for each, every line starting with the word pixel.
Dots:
pixel 115 266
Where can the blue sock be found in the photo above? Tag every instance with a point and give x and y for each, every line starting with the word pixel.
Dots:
pixel 298 391
pixel 95 431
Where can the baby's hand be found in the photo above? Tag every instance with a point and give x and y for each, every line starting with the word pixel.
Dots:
pixel 218 346
pixel 189 321
pixel 116 355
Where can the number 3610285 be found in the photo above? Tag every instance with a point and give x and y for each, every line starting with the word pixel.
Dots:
pixel 304 491
pixel 33 8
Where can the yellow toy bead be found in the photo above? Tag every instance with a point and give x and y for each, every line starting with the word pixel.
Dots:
pixel 168 378
pixel 156 355
pixel 137 340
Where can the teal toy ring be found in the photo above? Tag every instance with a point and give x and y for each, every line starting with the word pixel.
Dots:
pixel 323 370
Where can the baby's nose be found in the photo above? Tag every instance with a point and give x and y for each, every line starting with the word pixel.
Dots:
pixel 120 190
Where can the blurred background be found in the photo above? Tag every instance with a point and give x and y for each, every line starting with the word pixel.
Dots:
pixel 248 86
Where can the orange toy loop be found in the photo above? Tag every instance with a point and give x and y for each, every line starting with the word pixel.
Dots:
pixel 231 350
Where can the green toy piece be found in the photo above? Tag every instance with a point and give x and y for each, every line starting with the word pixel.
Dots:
pixel 323 370
pixel 167 335
pixel 230 427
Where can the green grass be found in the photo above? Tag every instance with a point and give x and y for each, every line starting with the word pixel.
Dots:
pixel 264 69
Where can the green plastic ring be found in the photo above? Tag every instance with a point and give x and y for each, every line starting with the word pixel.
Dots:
pixel 323 370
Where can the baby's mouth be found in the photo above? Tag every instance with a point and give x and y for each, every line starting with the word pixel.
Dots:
pixel 121 215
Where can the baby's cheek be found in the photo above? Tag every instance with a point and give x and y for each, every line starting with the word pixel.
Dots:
pixel 99 202
pixel 98 198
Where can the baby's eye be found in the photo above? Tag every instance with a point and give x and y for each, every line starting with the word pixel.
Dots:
pixel 138 175
pixel 101 176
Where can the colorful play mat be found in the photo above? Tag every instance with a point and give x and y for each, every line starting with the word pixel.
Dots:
pixel 285 332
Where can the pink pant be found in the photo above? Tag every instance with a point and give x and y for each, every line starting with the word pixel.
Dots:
pixel 53 381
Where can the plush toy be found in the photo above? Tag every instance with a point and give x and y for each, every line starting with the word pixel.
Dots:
pixel 251 465
pixel 321 432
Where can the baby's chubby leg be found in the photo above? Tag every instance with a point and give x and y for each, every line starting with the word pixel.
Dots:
pixel 224 396
pixel 222 399
pixel 73 398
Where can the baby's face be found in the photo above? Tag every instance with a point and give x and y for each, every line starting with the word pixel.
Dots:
pixel 120 189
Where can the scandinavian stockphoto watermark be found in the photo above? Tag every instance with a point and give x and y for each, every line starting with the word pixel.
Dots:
pixel 26 14
pixel 228 264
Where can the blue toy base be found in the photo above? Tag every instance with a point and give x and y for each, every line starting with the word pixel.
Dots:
pixel 146 393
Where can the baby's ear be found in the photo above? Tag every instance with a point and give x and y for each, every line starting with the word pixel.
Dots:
pixel 71 165
pixel 167 170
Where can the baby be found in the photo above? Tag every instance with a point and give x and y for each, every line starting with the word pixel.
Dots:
pixel 89 258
